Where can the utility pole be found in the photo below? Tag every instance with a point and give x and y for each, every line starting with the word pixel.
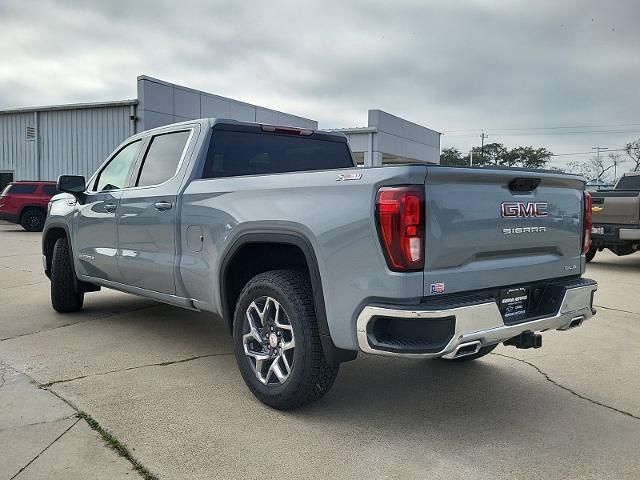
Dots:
pixel 598 150
pixel 482 136
pixel 471 157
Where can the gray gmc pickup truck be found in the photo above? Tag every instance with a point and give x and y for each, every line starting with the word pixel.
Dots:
pixel 308 259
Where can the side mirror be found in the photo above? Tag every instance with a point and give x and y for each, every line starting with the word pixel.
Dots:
pixel 73 184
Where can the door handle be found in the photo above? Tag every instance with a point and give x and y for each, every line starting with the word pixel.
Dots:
pixel 163 206
pixel 110 207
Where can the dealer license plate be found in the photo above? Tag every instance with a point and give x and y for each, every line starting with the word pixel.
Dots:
pixel 513 302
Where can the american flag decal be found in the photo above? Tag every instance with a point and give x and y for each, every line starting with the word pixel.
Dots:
pixel 437 288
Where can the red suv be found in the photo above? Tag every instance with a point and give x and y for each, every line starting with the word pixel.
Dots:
pixel 26 203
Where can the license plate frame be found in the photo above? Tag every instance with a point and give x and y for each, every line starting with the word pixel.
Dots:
pixel 597 230
pixel 513 303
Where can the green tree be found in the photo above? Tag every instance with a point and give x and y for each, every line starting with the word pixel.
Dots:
pixel 490 155
pixel 452 157
pixel 527 157
pixel 498 155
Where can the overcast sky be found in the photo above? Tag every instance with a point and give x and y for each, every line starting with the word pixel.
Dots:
pixel 457 67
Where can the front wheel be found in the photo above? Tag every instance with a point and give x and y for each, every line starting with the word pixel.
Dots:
pixel 276 341
pixel 64 297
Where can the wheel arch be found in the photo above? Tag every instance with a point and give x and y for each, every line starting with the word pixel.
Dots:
pixel 50 236
pixel 278 238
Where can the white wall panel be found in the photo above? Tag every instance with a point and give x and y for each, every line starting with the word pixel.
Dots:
pixel 72 141
pixel 162 103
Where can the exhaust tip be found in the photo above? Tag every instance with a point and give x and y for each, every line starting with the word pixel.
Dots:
pixel 467 349
pixel 576 322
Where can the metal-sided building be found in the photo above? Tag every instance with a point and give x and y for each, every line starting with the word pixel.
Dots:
pixel 388 139
pixel 40 143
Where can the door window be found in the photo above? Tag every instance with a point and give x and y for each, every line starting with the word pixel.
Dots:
pixel 116 173
pixel 162 158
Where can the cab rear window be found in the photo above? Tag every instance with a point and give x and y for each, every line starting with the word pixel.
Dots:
pixel 629 182
pixel 17 189
pixel 235 153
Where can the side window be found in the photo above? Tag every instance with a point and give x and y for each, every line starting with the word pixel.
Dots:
pixel 18 189
pixel 162 158
pixel 116 173
pixel 50 189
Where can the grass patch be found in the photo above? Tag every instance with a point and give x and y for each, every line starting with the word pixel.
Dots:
pixel 120 448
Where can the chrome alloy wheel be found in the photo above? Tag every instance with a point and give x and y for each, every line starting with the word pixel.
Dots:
pixel 268 342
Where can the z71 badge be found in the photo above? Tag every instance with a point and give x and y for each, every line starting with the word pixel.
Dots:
pixel 343 177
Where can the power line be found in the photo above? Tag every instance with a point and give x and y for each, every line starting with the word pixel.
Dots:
pixel 587 153
pixel 546 128
pixel 584 132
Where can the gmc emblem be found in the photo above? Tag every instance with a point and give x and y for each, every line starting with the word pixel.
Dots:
pixel 524 210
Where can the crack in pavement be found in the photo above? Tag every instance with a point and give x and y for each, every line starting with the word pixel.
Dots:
pixel 45 448
pixel 18 269
pixel 113 314
pixel 159 364
pixel 572 392
pixel 616 309
pixel 136 465
pixel 38 423
pixel 25 285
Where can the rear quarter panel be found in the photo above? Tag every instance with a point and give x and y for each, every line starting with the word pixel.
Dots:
pixel 336 217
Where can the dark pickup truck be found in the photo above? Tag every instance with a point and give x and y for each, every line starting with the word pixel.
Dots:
pixel 616 218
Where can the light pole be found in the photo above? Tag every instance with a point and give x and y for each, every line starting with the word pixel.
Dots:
pixel 598 150
pixel 482 136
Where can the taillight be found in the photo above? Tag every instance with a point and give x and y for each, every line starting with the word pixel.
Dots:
pixel 401 222
pixel 586 243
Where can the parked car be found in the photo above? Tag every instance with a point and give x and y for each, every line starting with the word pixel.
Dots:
pixel 616 218
pixel 309 259
pixel 26 203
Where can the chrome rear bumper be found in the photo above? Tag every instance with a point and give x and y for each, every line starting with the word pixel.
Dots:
pixel 479 324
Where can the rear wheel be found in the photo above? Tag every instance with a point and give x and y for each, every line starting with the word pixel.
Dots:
pixel 32 219
pixel 276 341
pixel 590 254
pixel 64 297
pixel 467 358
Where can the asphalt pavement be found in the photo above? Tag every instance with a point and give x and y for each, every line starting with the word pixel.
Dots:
pixel 159 385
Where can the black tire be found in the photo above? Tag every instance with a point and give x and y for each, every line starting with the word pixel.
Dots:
pixel 590 254
pixel 32 219
pixel 64 297
pixel 467 358
pixel 310 375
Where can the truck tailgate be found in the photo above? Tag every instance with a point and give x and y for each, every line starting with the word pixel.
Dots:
pixel 617 207
pixel 480 233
